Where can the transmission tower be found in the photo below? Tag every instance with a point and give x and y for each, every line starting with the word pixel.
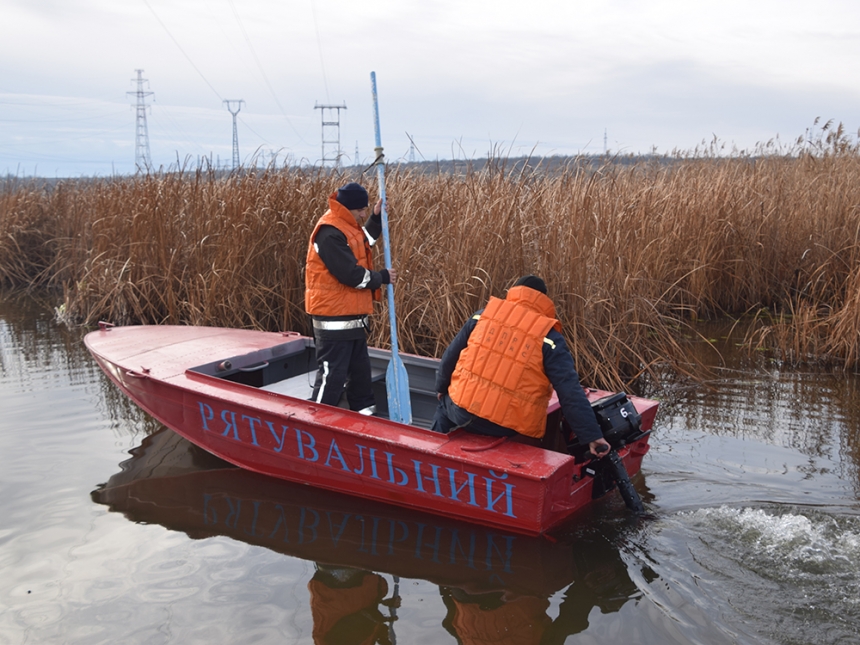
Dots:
pixel 330 115
pixel 142 158
pixel 229 103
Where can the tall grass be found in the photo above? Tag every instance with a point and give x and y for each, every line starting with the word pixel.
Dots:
pixel 630 252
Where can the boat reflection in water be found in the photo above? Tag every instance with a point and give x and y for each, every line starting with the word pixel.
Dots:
pixel 495 585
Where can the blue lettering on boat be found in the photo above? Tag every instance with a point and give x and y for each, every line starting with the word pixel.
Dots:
pixel 251 421
pixel 455 490
pixel 229 419
pixel 279 441
pixel 403 478
pixel 459 485
pixel 434 478
pixel 506 494
pixel 371 457
pixel 333 450
pixel 311 442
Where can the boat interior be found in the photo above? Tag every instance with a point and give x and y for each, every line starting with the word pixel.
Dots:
pixel 290 369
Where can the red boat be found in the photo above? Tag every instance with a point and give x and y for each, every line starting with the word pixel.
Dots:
pixel 242 396
pixel 170 482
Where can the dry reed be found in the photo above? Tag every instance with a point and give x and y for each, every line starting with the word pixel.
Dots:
pixel 630 252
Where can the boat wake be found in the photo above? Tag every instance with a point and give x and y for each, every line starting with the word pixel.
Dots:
pixel 784 546
pixel 788 574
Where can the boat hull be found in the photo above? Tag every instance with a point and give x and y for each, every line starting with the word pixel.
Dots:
pixel 168 482
pixel 172 373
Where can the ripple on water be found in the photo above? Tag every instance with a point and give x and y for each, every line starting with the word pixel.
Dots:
pixel 778 544
pixel 799 568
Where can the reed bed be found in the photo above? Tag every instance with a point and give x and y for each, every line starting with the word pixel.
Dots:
pixel 631 252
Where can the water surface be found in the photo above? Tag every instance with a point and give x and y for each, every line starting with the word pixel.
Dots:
pixel 115 530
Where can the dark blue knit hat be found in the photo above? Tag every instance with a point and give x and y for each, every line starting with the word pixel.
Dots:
pixel 532 282
pixel 353 196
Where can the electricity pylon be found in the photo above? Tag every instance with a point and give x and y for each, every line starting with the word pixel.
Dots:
pixel 330 131
pixel 142 158
pixel 229 103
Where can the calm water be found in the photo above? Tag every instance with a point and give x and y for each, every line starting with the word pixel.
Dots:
pixel 114 530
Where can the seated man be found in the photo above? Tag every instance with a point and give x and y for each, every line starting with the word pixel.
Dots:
pixel 497 375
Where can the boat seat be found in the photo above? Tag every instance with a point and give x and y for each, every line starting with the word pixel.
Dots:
pixel 302 386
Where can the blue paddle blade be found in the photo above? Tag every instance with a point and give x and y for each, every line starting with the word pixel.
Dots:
pixel 397 388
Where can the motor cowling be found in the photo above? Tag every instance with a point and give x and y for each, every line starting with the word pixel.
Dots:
pixel 618 419
pixel 621 424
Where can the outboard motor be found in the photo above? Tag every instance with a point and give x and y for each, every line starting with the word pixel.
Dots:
pixel 621 425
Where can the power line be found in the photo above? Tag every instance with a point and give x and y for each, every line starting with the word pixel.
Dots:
pixel 319 49
pixel 176 42
pixel 413 149
pixel 174 129
pixel 330 126
pixel 262 72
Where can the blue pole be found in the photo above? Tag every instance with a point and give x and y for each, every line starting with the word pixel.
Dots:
pixel 397 380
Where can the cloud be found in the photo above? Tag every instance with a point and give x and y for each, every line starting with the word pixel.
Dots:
pixel 551 73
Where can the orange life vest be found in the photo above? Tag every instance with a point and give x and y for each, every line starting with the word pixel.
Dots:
pixel 329 605
pixel 499 375
pixel 324 294
pixel 521 621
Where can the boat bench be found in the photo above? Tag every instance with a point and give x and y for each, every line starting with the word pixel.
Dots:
pixel 302 386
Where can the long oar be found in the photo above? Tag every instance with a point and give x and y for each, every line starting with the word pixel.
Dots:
pixel 396 378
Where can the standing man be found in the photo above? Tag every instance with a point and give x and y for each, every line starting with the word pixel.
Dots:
pixel 497 375
pixel 340 288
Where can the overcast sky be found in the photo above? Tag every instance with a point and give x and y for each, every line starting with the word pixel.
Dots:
pixel 460 77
